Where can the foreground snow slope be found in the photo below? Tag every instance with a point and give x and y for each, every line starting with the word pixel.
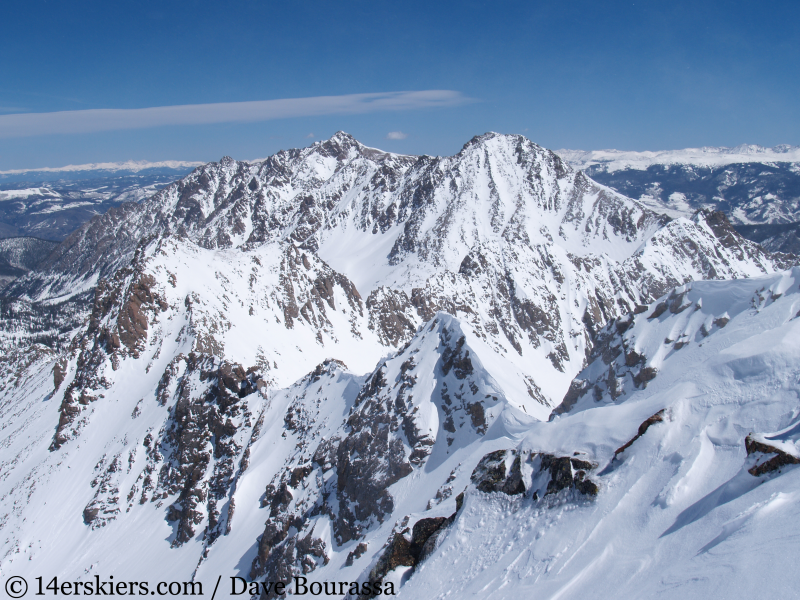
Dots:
pixel 678 514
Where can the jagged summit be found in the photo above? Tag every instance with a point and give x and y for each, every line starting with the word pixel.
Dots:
pixel 427 212
pixel 512 139
pixel 339 146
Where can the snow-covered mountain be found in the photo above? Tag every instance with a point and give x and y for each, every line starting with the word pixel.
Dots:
pixel 690 413
pixel 296 367
pixel 751 184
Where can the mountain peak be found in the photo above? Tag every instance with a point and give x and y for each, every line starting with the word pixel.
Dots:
pixel 343 137
pixel 482 139
pixel 340 145
pixel 507 139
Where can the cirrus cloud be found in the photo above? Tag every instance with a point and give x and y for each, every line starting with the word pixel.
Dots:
pixel 396 135
pixel 109 119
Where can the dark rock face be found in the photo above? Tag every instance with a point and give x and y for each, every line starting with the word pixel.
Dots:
pixel 311 302
pixel 117 327
pixel 104 506
pixel 644 375
pixel 299 491
pixel 201 437
pixel 132 320
pixel 626 366
pixel 382 442
pixel 60 372
pixel 369 459
pixel 780 458
pixel 355 554
pixel 391 315
pixel 402 552
pixel 512 472
pixel 460 401
pixel 456 359
pixel 656 418
pixel 492 475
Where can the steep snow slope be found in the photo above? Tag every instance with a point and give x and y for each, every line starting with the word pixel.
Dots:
pixel 435 402
pixel 689 509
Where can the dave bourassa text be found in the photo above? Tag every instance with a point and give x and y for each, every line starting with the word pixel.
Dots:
pixel 301 587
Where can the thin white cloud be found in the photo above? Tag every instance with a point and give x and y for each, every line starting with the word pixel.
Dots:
pixel 109 119
pixel 396 135
pixel 310 136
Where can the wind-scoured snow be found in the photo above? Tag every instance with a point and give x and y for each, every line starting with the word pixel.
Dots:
pixel 678 514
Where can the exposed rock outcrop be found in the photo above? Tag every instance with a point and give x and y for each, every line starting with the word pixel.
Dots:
pixel 656 418
pixel 777 458
pixel 537 474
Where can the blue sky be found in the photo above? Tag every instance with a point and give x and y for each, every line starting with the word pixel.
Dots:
pixel 627 75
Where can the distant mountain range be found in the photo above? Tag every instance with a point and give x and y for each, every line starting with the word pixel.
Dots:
pixel 707 156
pixel 751 184
pixel 55 209
pixel 98 170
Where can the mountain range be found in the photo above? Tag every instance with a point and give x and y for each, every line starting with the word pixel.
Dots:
pixel 753 185
pixel 483 374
